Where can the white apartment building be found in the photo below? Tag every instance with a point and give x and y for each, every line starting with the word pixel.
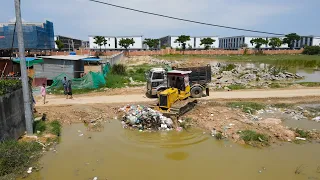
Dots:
pixel 137 42
pixel 197 42
pixel 111 43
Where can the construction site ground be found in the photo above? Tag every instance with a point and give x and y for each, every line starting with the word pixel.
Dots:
pixel 211 112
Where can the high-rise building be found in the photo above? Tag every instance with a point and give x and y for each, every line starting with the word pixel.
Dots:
pixel 37 36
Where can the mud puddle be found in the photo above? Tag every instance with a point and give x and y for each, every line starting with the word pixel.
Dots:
pixel 121 154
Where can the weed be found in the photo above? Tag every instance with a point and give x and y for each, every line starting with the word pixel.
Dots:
pixel 249 135
pixel 219 136
pixel 15 156
pixel 55 127
pixel 299 169
pixel 119 69
pixel 309 84
pixel 275 85
pixel 302 133
pixel 251 107
pixel 229 67
pixel 39 126
pixel 282 105
pixel 116 81
pixel 236 86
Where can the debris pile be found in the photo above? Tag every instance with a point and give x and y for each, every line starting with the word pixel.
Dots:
pixel 145 118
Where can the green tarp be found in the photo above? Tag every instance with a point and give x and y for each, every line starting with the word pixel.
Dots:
pixel 29 61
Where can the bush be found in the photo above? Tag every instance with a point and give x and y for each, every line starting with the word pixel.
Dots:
pixel 302 133
pixel 55 127
pixel 116 81
pixel 311 50
pixel 8 86
pixel 247 106
pixel 15 156
pixel 229 67
pixel 218 136
pixel 249 135
pixel 39 126
pixel 119 69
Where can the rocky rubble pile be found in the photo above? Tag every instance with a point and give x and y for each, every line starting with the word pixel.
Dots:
pixel 144 118
pixel 237 74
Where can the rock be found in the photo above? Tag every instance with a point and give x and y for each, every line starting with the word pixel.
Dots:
pixel 317 119
pixel 226 88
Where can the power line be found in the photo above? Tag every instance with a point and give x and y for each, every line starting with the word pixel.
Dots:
pixel 186 20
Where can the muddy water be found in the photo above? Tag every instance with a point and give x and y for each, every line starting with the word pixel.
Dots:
pixel 120 154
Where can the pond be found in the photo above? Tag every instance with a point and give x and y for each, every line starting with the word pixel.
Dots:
pixel 122 154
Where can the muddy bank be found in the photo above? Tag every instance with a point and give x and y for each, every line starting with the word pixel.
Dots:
pixel 208 115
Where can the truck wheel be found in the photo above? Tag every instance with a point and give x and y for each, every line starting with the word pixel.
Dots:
pixel 196 92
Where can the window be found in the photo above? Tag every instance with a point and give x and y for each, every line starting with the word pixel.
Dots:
pixel 158 76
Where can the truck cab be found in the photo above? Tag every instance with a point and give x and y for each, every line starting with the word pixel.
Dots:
pixel 156 81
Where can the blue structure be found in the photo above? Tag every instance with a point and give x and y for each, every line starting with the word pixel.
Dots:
pixel 37 36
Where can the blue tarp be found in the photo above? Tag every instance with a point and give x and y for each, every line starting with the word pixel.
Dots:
pixel 91 59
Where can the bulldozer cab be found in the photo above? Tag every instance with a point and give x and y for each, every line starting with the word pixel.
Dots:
pixel 178 89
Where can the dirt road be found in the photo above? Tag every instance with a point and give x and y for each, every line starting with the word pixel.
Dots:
pixel 134 98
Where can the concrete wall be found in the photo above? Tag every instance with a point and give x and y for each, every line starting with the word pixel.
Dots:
pixel 316 41
pixel 212 52
pixel 54 67
pixel 12 120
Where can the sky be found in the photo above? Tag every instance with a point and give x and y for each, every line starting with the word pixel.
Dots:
pixel 81 18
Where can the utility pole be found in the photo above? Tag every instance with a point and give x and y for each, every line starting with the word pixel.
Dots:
pixel 24 77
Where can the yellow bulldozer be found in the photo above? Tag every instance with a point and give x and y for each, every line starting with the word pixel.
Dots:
pixel 171 101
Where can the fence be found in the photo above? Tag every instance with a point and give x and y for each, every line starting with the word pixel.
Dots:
pixel 212 52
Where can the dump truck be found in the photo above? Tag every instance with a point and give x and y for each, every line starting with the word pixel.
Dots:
pixel 199 77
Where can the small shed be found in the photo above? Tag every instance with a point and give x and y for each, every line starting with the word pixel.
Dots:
pixel 53 66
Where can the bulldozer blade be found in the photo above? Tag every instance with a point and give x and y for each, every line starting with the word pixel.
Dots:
pixel 187 107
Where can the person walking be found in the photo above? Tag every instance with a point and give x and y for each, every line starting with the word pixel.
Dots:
pixel 43 93
pixel 65 82
pixel 69 89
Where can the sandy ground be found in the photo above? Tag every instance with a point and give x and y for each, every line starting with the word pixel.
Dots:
pixel 127 97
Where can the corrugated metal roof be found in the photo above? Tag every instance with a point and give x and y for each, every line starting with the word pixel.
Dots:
pixel 69 57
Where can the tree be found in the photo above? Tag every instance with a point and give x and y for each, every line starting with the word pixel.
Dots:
pixel 207 42
pixel 275 42
pixel 125 43
pixel 183 39
pixel 152 43
pixel 59 44
pixel 99 40
pixel 290 39
pixel 258 42
pixel 104 42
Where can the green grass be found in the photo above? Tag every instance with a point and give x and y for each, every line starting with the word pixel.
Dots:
pixel 55 127
pixel 282 105
pixel 303 133
pixel 219 136
pixel 309 84
pixel 252 136
pixel 247 106
pixel 236 86
pixel 275 85
pixel 16 156
pixel 39 126
pixel 116 81
pixel 229 67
